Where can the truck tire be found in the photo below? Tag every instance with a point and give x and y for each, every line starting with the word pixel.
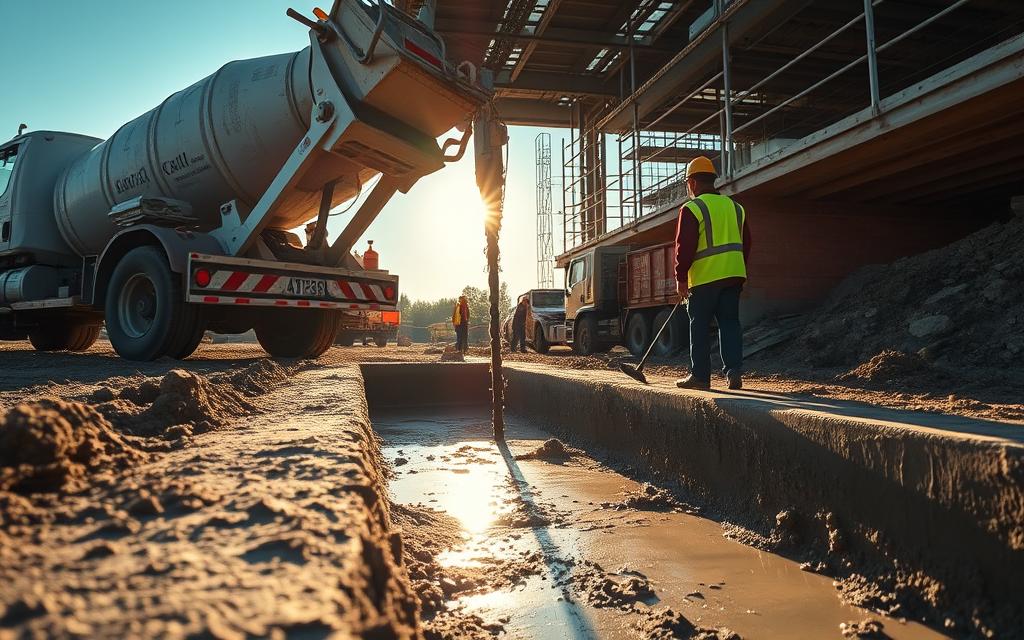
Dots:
pixel 540 343
pixel 584 341
pixel 146 314
pixel 638 333
pixel 57 336
pixel 674 338
pixel 189 342
pixel 299 333
pixel 380 341
pixel 345 339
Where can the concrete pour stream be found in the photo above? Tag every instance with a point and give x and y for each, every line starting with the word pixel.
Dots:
pixel 565 514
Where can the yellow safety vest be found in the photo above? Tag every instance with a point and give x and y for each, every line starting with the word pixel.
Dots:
pixel 720 239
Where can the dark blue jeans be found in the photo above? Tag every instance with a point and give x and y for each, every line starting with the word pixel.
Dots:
pixel 722 303
pixel 519 338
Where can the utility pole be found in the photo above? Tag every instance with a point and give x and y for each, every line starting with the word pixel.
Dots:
pixel 491 137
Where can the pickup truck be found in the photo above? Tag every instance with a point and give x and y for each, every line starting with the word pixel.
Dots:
pixel 545 319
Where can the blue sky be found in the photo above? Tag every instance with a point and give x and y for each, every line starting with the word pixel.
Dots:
pixel 90 66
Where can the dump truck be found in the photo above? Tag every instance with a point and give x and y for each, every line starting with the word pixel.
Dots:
pixel 180 222
pixel 619 296
pixel 378 327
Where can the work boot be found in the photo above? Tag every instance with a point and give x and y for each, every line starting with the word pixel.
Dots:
pixel 689 382
pixel 735 380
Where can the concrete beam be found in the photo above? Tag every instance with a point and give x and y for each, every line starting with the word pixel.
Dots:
pixel 996 71
pixel 539 82
pixel 532 113
pixel 572 38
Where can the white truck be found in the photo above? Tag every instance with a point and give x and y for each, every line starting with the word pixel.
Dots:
pixel 179 223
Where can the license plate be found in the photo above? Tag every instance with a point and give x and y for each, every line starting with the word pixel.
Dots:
pixel 307 287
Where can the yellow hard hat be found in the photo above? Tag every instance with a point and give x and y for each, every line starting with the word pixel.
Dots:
pixel 700 164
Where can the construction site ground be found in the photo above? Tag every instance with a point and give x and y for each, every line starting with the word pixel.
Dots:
pixel 231 494
pixel 965 397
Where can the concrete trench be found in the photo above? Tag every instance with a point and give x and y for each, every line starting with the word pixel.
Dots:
pixel 929 507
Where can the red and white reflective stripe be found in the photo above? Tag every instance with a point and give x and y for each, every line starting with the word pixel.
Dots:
pixel 281 302
pixel 245 282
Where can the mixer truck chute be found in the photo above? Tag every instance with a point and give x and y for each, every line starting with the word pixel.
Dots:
pixel 179 222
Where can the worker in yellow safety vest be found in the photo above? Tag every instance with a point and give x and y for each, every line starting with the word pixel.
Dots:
pixel 712 249
pixel 460 320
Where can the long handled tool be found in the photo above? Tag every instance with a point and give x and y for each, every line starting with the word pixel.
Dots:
pixel 637 371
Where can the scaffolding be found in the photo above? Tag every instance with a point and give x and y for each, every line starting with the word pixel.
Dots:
pixel 545 218
pixel 741 106
pixel 643 174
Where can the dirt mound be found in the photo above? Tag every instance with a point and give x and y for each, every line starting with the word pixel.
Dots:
pixel 183 403
pixel 891 367
pixel 257 378
pixel 51 445
pixel 451 354
pixel 956 307
pixel 621 590
pixel 864 629
pixel 648 497
pixel 667 624
pixel 552 449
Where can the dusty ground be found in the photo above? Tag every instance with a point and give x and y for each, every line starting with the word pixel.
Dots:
pixel 201 498
pixel 959 397
pixel 154 501
pixel 878 381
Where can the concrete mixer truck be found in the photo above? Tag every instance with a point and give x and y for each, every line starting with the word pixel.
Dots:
pixel 180 222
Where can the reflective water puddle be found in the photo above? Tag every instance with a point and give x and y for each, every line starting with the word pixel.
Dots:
pixel 551 513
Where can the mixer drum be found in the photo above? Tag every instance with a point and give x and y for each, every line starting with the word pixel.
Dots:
pixel 225 137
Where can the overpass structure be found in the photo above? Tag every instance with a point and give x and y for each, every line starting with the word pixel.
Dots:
pixel 854 132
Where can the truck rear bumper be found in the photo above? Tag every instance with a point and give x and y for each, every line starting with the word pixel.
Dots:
pixel 225 280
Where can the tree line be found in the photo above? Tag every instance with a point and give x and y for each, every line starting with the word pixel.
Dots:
pixel 423 313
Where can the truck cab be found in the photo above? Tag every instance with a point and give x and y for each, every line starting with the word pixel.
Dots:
pixel 592 321
pixel 40 276
pixel 545 319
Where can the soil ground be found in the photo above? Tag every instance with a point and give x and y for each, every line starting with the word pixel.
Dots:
pixel 204 497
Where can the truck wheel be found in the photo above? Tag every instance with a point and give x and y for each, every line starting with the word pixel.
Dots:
pixel 638 333
pixel 298 334
pixel 58 336
pixel 345 339
pixel 584 340
pixel 380 341
pixel 147 316
pixel 674 338
pixel 540 343
pixel 189 342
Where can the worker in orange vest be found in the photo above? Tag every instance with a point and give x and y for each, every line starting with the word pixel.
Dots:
pixel 460 320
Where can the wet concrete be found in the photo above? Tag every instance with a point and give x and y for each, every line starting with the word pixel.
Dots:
pixel 931 505
pixel 508 509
